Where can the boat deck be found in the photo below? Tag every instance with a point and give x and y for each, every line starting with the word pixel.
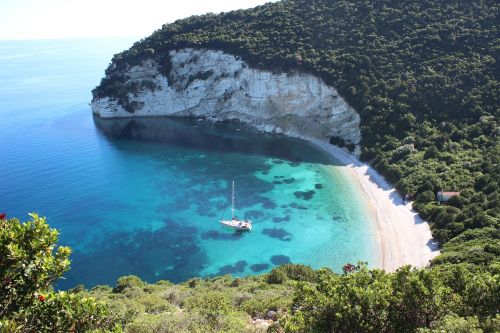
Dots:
pixel 238 224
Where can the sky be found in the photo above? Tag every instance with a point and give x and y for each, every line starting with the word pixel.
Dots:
pixel 50 19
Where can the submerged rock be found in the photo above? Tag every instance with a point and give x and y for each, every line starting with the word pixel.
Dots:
pixel 308 195
pixel 280 259
pixel 259 267
pixel 238 267
pixel 281 219
pixel 253 214
pixel 215 235
pixel 278 233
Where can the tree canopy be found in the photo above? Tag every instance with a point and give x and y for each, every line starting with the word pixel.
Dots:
pixel 30 262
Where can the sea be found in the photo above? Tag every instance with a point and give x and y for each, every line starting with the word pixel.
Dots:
pixel 144 196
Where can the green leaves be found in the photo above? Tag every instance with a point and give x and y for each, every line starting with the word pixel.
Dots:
pixel 30 261
pixel 63 312
pixel 376 301
pixel 27 262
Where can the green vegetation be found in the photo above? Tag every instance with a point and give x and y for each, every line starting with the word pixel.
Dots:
pixel 30 261
pixel 424 77
pixel 313 301
pixel 422 74
pixel 291 298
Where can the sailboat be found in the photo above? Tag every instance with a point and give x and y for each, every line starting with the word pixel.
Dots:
pixel 235 222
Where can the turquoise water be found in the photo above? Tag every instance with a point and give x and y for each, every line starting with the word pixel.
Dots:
pixel 144 196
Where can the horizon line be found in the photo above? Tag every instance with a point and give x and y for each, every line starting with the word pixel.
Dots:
pixel 68 38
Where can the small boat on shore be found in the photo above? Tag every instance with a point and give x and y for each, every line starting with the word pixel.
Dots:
pixel 235 222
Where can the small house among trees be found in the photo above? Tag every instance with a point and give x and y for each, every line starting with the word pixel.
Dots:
pixel 445 196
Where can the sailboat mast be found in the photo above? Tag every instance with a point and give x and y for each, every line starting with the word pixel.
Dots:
pixel 232 203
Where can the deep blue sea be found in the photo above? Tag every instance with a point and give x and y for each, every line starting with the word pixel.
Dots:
pixel 144 196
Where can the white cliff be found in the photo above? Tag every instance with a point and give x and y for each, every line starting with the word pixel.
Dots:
pixel 218 86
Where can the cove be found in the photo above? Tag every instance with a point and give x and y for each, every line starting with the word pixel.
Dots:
pixel 143 196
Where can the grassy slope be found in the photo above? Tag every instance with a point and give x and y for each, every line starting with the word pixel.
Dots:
pixel 311 301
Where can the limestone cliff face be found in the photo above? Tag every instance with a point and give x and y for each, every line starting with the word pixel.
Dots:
pixel 218 86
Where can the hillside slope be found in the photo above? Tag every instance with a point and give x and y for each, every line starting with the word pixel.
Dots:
pixel 423 75
pixel 290 298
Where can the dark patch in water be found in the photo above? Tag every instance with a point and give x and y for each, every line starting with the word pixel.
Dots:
pixel 280 259
pixel 278 233
pixel 294 164
pixel 253 214
pixel 318 186
pixel 281 219
pixel 297 206
pixel 181 203
pixel 308 195
pixel 267 203
pixel 284 206
pixel 259 267
pixel 277 182
pixel 238 267
pixel 145 253
pixel 289 180
pixel 279 177
pixel 221 137
pixel 221 205
pixel 264 172
pixel 336 217
pixel 214 234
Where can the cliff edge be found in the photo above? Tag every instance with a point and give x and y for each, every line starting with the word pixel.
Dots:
pixel 218 86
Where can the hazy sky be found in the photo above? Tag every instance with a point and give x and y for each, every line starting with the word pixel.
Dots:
pixel 39 19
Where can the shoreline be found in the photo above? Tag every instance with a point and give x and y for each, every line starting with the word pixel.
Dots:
pixel 403 237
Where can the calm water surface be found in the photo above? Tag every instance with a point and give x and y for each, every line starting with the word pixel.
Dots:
pixel 144 196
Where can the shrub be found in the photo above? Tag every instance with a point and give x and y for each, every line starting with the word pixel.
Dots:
pixel 276 276
pixel 30 261
pixel 126 282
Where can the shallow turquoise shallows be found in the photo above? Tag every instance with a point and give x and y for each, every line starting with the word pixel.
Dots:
pixel 144 196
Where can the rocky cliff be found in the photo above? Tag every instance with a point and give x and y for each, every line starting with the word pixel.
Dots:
pixel 218 86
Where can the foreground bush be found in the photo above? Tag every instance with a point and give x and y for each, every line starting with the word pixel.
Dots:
pixel 404 301
pixel 446 298
pixel 30 261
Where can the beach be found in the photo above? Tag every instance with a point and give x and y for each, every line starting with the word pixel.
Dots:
pixel 403 237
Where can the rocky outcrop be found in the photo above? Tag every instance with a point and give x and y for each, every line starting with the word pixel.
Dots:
pixel 218 86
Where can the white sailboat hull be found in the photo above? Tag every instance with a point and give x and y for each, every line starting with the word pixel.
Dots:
pixel 237 224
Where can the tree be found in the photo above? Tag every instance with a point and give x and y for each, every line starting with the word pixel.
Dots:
pixel 431 152
pixel 30 262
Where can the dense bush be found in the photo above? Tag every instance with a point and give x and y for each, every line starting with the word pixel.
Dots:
pixel 221 304
pixel 293 272
pixel 30 261
pixel 404 301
